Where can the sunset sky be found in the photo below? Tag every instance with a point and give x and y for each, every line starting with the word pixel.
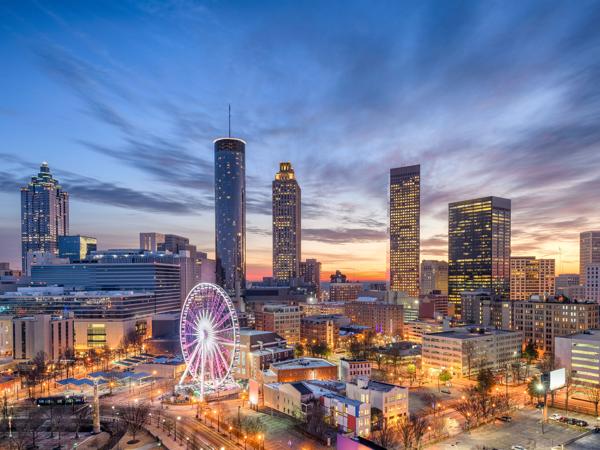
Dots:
pixel 123 99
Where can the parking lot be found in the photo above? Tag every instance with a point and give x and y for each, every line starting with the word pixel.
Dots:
pixel 525 429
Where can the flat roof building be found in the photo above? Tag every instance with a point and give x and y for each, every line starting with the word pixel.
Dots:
pixel 466 351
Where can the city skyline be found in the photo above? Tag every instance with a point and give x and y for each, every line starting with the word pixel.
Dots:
pixel 523 123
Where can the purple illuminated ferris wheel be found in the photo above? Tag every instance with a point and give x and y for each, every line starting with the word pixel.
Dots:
pixel 210 335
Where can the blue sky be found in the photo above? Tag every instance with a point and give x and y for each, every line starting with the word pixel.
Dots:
pixel 123 99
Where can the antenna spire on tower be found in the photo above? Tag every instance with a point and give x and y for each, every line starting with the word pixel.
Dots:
pixel 230 120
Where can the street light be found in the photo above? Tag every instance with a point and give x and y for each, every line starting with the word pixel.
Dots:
pixel 175 432
pixel 230 428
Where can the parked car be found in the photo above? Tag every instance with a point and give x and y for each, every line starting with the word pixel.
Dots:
pixel 517 447
pixel 596 430
pixel 555 417
pixel 581 423
pixel 504 418
pixel 540 405
pixel 563 419
pixel 572 421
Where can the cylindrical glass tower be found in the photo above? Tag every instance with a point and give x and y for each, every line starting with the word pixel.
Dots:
pixel 230 213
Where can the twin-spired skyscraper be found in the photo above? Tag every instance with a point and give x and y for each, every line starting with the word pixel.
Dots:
pixel 44 214
pixel 230 213
pixel 405 234
pixel 286 224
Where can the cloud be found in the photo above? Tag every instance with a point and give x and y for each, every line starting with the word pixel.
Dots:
pixel 343 235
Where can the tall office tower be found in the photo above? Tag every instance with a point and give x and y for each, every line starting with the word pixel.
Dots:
pixel 589 251
pixel 405 211
pixel 230 213
pixel 530 276
pixel 286 224
pixel 478 248
pixel 44 215
pixel 434 276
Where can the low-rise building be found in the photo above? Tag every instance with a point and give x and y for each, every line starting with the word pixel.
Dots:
pixel 258 350
pixel 382 317
pixel 433 306
pixel 323 329
pixel 351 369
pixel 466 351
pixel 318 308
pixel 543 320
pixel 390 399
pixel 415 329
pixel 281 319
pixel 102 318
pixel 300 369
pixel 46 333
pixel 579 354
pixel 298 399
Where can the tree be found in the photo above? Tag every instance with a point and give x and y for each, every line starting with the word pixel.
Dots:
pixel 411 369
pixel 355 348
pixel 34 420
pixel 378 357
pixel 386 435
pixel 444 377
pixel 82 416
pixel 299 350
pixel 69 357
pixel 135 417
pixel 419 427
pixel 58 419
pixel 405 432
pixel 592 393
pixel 530 353
pixel 485 380
pixel 569 390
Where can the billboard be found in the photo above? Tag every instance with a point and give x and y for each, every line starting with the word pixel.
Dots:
pixel 557 378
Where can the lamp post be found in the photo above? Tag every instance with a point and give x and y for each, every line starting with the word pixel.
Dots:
pixel 10 426
pixel 175 431
pixel 245 439
pixel 541 388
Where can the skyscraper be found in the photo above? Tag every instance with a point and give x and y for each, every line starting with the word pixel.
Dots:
pixel 434 276
pixel 286 224
pixel 230 212
pixel 589 251
pixel 405 211
pixel 44 214
pixel 478 247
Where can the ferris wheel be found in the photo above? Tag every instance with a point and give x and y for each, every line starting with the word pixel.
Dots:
pixel 210 335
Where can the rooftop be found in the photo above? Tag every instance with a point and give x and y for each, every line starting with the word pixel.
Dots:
pixel 302 363
pixel 588 335
pixel 463 333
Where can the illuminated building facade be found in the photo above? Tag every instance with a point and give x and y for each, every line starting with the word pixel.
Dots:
pixel 478 248
pixel 44 215
pixel 286 224
pixel 405 211
pixel 76 248
pixel 310 273
pixel 230 213
pixel 530 276
pixel 589 252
